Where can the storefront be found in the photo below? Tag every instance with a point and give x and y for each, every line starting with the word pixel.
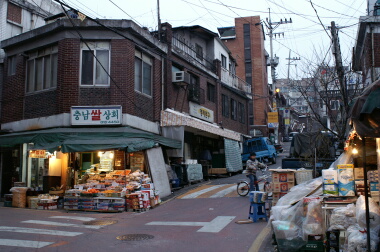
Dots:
pixel 204 144
pixel 107 160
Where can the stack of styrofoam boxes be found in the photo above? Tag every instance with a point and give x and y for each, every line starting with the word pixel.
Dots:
pixel 346 182
pixel 282 182
pixel 70 202
pixel 373 178
pixel 134 201
pixel 359 180
pixel 330 182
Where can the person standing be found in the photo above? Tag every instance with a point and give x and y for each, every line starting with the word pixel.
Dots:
pixel 251 168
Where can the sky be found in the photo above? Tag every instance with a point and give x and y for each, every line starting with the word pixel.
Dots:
pixel 307 37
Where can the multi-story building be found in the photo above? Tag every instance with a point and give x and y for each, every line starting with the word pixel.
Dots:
pixel 366 57
pixel 246 43
pixel 80 87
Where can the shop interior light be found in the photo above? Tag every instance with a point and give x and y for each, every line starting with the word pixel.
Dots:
pixel 354 151
pixel 100 154
pixel 111 155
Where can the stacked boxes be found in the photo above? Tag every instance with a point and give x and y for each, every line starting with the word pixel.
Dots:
pixel 282 181
pixel 330 182
pixel 359 180
pixel 94 203
pixel 373 178
pixel 134 201
pixel 346 182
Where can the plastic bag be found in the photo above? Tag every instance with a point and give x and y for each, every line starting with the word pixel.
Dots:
pixel 374 212
pixel 357 239
pixel 342 217
pixel 313 222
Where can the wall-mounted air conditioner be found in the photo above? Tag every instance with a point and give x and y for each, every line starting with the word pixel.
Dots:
pixel 181 78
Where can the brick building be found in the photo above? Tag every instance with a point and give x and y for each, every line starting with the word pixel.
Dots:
pixel 79 88
pixel 245 40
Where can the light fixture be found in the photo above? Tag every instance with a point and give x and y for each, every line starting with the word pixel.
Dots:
pixel 111 155
pixel 354 151
pixel 99 154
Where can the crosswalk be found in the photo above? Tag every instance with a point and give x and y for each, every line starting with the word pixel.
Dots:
pixel 213 191
pixel 50 231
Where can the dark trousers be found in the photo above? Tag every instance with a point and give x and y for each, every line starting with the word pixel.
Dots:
pixel 253 186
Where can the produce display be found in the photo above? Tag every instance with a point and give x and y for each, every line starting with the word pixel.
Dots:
pixel 107 192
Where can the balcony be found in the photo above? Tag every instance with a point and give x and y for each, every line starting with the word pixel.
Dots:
pixel 182 47
pixel 235 82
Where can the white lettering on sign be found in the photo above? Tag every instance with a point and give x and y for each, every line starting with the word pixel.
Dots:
pixel 214 226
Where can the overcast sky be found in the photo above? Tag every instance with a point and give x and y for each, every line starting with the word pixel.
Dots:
pixel 305 36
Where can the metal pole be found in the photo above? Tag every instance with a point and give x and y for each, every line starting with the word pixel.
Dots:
pixel 366 196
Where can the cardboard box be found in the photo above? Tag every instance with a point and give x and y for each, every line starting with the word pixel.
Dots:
pixel 359 173
pixel 346 182
pixel 281 177
pixel 282 187
pixel 330 177
pixel 277 195
pixel 373 176
pixel 374 186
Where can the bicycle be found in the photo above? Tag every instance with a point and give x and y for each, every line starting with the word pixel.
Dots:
pixel 243 186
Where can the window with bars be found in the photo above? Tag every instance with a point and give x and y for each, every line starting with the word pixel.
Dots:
pixel 241 112
pixel 233 109
pixel 225 106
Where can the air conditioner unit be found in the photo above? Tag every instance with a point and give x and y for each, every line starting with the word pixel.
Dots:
pixel 181 78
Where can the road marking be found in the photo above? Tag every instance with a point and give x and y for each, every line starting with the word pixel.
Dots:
pixel 256 245
pixel 38 231
pixel 74 218
pixel 197 193
pixel 52 223
pixel 24 243
pixel 224 192
pixel 214 226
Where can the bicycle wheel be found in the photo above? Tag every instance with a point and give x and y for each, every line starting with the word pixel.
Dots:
pixel 242 188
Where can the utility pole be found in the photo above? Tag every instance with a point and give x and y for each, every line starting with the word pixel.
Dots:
pixel 289 63
pixel 158 20
pixel 338 63
pixel 271 26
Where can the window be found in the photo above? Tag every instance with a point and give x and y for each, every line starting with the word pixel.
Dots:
pixel 210 92
pixel 199 51
pixel 225 106
pixel 143 73
pixel 42 68
pixel 334 104
pixel 11 65
pixel 14 13
pixel 194 94
pixel 95 64
pixel 233 110
pixel 241 112
pixel 224 61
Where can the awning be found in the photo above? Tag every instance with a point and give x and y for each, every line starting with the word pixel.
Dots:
pixel 365 113
pixel 89 139
pixel 173 118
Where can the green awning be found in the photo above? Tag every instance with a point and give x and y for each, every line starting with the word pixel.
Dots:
pixel 89 139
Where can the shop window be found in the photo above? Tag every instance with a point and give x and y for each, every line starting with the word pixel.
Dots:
pixel 233 109
pixel 225 106
pixel 136 161
pixel 210 92
pixel 95 63
pixel 143 73
pixel 42 67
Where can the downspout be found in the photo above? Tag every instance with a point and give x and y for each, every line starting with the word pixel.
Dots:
pixel 373 56
pixel 162 84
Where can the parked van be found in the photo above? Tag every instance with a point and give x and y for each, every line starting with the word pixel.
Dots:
pixel 291 135
pixel 263 147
